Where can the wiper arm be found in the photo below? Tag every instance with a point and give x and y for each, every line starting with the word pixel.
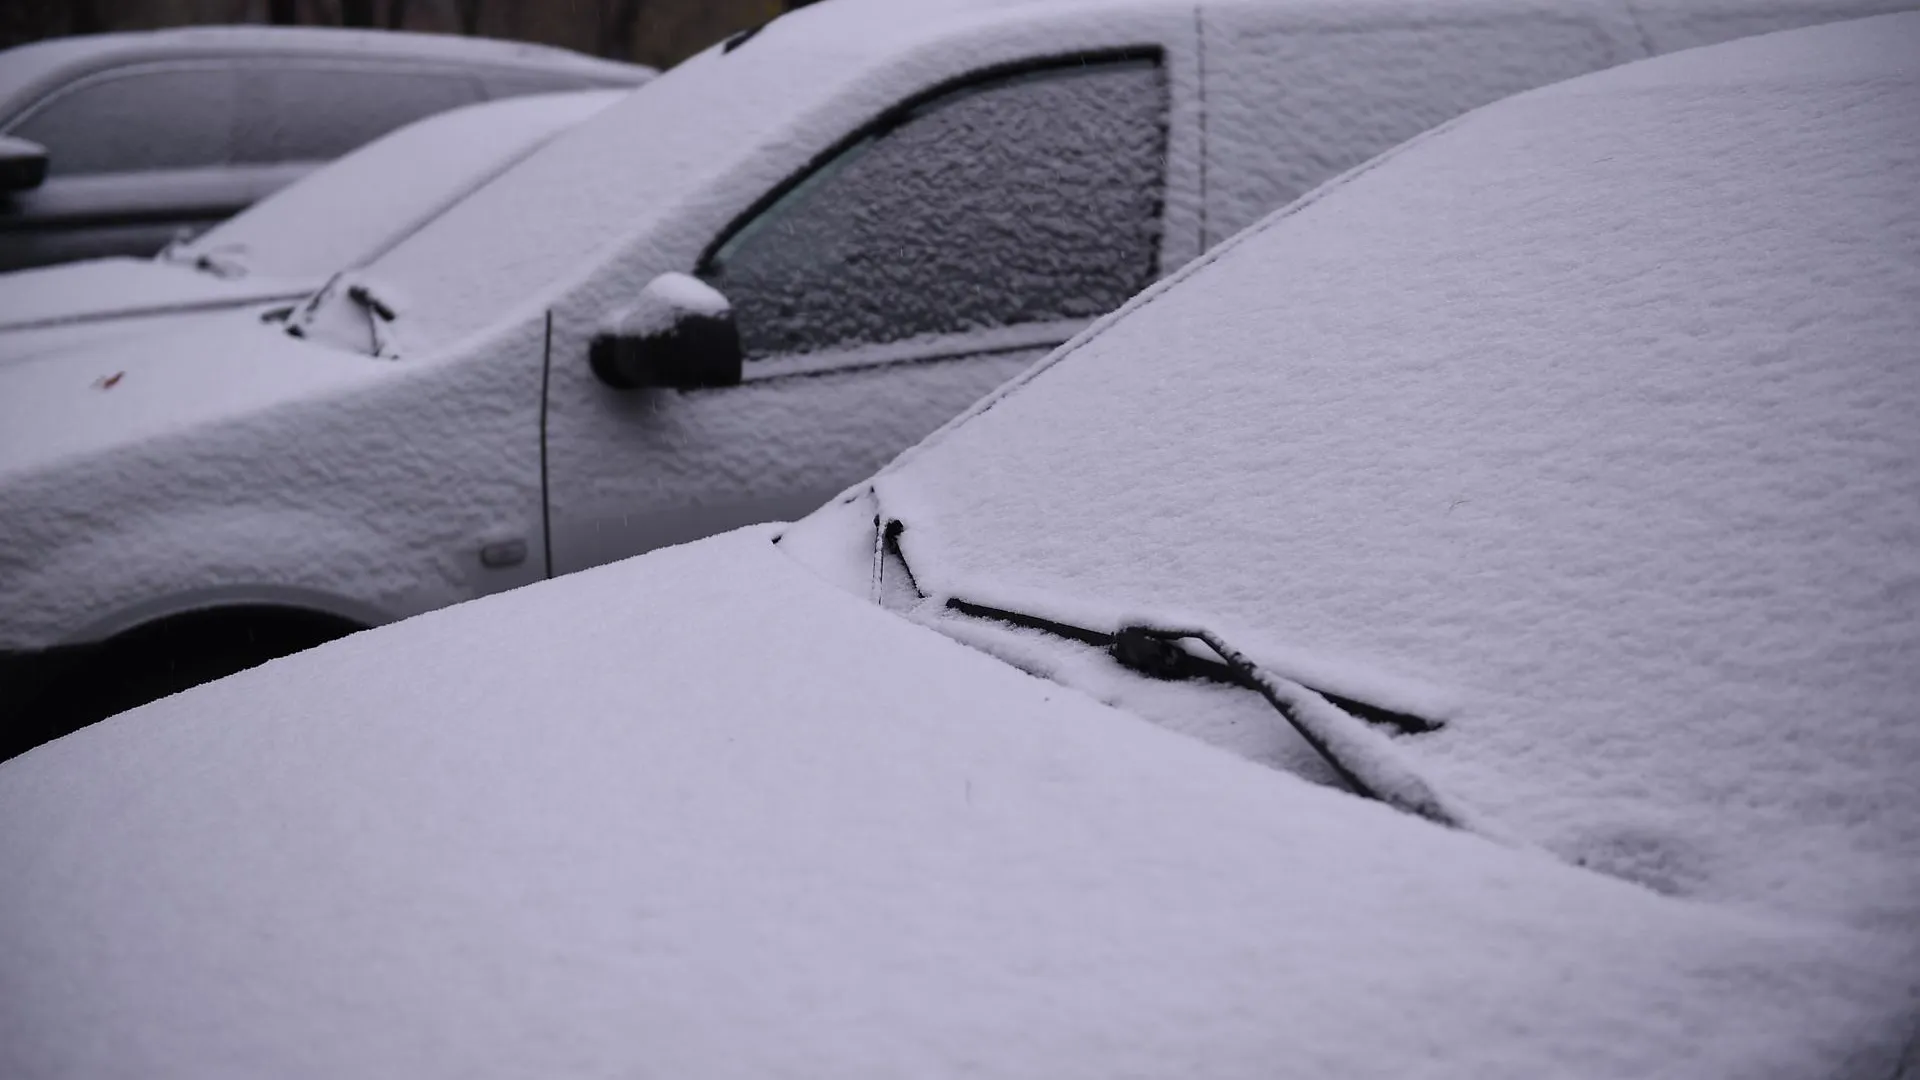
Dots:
pixel 1334 726
pixel 1153 652
pixel 221 262
pixel 1362 757
pixel 379 314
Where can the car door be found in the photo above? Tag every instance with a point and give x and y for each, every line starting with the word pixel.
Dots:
pixel 921 262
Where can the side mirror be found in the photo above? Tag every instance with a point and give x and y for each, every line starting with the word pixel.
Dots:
pixel 23 164
pixel 679 336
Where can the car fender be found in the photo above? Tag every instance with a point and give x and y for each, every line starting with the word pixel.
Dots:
pixel 151 567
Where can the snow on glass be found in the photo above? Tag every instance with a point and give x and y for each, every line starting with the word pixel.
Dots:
pixel 1031 198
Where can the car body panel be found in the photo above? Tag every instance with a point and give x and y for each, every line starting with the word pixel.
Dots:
pixel 489 425
pixel 286 246
pixel 701 794
pixel 101 289
pixel 1586 408
pixel 126 204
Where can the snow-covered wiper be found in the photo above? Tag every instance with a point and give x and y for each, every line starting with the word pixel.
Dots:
pixel 226 261
pixel 1337 728
pixel 348 312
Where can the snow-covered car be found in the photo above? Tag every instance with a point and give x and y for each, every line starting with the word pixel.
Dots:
pixel 284 247
pixel 1550 481
pixel 139 136
pixel 717 302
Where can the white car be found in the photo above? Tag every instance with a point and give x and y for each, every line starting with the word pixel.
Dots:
pixel 1548 480
pixel 135 137
pixel 283 248
pixel 717 302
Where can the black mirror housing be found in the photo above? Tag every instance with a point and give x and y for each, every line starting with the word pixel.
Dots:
pixel 23 164
pixel 680 336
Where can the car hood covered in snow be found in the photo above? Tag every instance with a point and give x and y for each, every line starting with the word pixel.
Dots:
pixel 703 814
pixel 208 368
pixel 287 245
pixel 54 306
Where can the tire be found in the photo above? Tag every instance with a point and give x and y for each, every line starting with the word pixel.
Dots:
pixel 82 686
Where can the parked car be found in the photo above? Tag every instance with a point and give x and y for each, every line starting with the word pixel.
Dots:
pixel 863 217
pixel 144 135
pixel 282 248
pixel 1581 428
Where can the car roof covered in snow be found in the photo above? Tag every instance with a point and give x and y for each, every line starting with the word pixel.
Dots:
pixel 28 70
pixel 1585 424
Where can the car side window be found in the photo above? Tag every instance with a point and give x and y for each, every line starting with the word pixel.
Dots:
pixel 1025 198
pixel 318 111
pixel 136 119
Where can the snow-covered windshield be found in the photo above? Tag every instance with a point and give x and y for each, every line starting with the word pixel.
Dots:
pixel 358 206
pixel 1595 411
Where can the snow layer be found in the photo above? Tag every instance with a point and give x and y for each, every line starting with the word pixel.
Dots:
pixel 1598 406
pixel 1034 199
pixel 357 207
pixel 380 486
pixel 32 69
pixel 665 301
pixel 1297 94
pixel 52 295
pixel 702 815
pixel 640 189
pixel 229 457
pixel 1686 24
pixel 286 245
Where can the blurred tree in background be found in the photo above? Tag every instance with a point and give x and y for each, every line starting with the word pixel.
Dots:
pixel 657 32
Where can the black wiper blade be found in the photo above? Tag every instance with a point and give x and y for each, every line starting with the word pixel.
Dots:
pixel 1155 654
pixel 1331 724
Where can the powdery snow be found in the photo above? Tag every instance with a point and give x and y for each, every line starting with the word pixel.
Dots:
pixel 33 68
pixel 666 300
pixel 1036 199
pixel 227 462
pixel 285 246
pixel 407 474
pixel 640 189
pixel 48 297
pixel 1599 407
pixel 703 815
pixel 362 204
pixel 1301 91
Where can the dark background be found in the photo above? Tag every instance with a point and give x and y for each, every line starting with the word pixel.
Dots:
pixel 656 32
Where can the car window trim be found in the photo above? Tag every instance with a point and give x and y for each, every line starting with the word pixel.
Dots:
pixel 901 111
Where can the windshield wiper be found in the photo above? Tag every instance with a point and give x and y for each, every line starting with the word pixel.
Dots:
pixel 378 312
pixel 1334 726
pixel 221 262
